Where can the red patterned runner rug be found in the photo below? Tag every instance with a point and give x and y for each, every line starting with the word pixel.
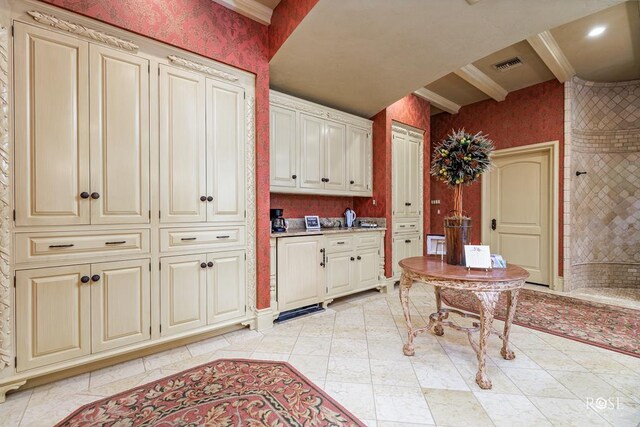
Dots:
pixel 226 392
pixel 607 326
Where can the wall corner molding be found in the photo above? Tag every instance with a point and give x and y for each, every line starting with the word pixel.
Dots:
pixel 6 320
pixel 249 8
pixel 250 153
pixel 196 66
pixel 81 30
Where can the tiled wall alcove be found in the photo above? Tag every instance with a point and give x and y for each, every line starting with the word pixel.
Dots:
pixel 605 203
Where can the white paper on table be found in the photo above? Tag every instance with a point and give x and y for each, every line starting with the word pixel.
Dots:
pixel 477 256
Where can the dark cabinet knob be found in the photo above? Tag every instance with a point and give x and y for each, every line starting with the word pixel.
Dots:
pixel 359 258
pixel 352 182
pixel 85 279
pixel 203 198
pixel 407 241
pixel 203 265
pixel 353 259
pixel 95 195
pixel 493 224
pixel 95 277
pixel 209 199
pixel 84 195
pixel 327 179
pixel 294 176
pixel 322 264
pixel 209 264
pixel 407 204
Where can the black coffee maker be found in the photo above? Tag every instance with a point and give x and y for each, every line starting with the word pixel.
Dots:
pixel 277 220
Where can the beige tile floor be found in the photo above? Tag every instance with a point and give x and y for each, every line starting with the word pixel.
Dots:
pixel 354 352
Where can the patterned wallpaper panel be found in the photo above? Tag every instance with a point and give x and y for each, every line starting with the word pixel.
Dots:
pixel 605 203
pixel 528 116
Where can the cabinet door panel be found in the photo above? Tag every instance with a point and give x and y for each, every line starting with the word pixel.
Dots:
pixel 301 279
pixel 367 268
pixel 53 319
pixel 183 294
pixel 339 273
pixel 399 173
pixel 225 152
pixel 226 286
pixel 119 85
pixel 183 176
pixel 312 147
pixel 359 155
pixel 282 143
pixel 120 304
pixel 413 184
pixel 334 156
pixel 52 128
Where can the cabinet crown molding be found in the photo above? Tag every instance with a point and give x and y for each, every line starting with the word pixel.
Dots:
pixel 196 66
pixel 287 101
pixel 81 30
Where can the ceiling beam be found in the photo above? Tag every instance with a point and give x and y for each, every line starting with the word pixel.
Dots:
pixel 439 101
pixel 548 50
pixel 249 8
pixel 481 81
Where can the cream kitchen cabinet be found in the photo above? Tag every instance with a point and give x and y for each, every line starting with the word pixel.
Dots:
pixel 68 312
pixel 301 276
pixel 318 150
pixel 405 246
pixel 282 144
pixel 202 170
pixel 202 289
pixel 352 263
pixel 82 132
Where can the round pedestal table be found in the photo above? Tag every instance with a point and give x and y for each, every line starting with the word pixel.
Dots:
pixel 485 285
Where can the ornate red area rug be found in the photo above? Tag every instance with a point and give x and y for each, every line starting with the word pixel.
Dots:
pixel 607 326
pixel 227 392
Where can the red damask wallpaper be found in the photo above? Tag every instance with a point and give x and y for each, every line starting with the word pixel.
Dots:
pixel 286 17
pixel 410 110
pixel 528 116
pixel 211 30
pixel 297 206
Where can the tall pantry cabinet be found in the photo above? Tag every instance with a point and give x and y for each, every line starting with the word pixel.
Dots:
pixel 133 202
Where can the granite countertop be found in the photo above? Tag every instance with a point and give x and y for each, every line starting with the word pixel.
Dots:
pixel 304 232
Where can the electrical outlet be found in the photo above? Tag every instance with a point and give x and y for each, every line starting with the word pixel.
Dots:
pixel 374 202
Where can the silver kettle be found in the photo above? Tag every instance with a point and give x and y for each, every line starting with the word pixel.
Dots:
pixel 349 217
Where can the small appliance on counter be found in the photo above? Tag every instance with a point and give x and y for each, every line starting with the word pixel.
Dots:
pixel 349 218
pixel 278 224
pixel 368 224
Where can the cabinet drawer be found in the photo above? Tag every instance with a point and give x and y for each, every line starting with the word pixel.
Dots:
pixel 50 246
pixel 368 240
pixel 406 225
pixel 181 239
pixel 339 243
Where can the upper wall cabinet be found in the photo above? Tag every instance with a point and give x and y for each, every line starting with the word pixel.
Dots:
pixel 82 132
pixel 318 150
pixel 202 173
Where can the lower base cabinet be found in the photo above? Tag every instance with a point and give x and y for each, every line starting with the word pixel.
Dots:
pixel 405 246
pixel 300 272
pixel 202 289
pixel 68 312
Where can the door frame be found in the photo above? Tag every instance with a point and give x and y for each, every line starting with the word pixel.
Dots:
pixel 552 148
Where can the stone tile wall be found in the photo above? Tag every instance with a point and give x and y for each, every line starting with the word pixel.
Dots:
pixel 605 203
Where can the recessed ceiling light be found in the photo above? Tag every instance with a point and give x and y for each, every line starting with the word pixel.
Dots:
pixel 596 31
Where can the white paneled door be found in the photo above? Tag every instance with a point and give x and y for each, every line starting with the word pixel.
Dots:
pixel 119 106
pixel 183 293
pixel 335 164
pixel 299 266
pixel 183 165
pixel 54 316
pixel 120 304
pixel 51 128
pixel 225 152
pixel 312 147
pixel 282 143
pixel 520 205
pixel 359 156
pixel 225 286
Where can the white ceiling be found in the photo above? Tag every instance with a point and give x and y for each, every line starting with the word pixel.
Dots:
pixel 362 55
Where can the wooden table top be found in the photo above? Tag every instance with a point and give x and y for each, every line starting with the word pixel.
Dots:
pixel 433 266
